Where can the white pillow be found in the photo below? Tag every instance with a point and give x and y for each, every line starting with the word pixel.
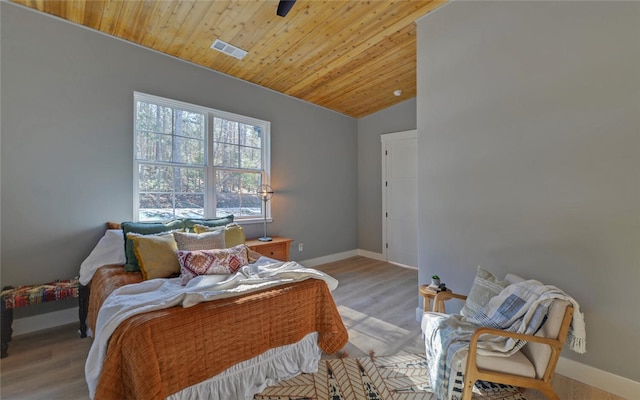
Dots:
pixel 109 250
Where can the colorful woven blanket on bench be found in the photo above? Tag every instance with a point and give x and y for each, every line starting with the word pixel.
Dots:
pixel 23 296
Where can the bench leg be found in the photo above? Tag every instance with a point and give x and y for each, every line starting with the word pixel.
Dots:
pixel 6 316
pixel 83 308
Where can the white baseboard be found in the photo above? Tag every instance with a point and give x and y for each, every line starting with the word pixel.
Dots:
pixel 380 257
pixel 403 265
pixel 371 254
pixel 313 262
pixel 39 322
pixel 351 253
pixel 618 385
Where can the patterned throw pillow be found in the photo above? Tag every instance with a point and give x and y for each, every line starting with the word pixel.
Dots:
pixel 211 262
pixel 156 255
pixel 200 241
pixel 484 287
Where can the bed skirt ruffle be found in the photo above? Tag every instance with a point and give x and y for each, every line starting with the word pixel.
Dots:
pixel 247 378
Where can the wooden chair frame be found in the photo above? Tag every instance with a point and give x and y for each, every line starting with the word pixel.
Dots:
pixel 473 373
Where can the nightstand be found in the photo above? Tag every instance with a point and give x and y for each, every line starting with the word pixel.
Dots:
pixel 429 293
pixel 277 248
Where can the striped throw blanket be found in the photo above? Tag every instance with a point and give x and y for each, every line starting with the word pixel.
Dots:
pixel 520 307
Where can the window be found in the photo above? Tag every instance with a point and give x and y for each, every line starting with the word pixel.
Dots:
pixel 196 162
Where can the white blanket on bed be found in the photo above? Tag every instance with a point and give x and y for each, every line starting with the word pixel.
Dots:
pixel 158 294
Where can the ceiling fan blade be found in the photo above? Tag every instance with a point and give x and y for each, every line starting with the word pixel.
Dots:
pixel 284 6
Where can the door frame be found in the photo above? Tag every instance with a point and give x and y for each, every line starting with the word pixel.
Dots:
pixel 384 138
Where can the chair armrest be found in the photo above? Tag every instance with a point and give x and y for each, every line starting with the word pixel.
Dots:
pixel 442 296
pixel 519 336
pixel 439 299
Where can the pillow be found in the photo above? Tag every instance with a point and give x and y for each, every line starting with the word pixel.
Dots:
pixel 144 228
pixel 156 255
pixel 200 241
pixel 113 225
pixel 211 262
pixel 109 250
pixel 233 233
pixel 484 287
pixel 222 221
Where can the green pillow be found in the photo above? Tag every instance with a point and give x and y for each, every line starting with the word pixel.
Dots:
pixel 144 228
pixel 222 221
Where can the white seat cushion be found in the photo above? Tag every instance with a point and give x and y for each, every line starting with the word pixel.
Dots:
pixel 517 364
pixel 538 353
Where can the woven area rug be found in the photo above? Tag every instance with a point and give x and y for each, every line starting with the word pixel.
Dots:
pixel 383 378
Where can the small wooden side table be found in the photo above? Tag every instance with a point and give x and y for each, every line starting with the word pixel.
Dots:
pixel 428 294
pixel 277 248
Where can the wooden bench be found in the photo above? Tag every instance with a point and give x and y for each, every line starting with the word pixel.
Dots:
pixel 23 296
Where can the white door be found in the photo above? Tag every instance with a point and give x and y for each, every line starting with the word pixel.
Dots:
pixel 400 198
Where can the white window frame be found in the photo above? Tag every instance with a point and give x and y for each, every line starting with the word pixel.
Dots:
pixel 210 170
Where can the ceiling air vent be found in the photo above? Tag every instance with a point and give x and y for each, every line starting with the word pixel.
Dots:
pixel 228 49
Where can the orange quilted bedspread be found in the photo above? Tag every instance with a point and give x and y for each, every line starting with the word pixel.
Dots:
pixel 153 355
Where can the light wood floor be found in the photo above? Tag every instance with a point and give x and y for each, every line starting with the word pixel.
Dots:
pixel 377 301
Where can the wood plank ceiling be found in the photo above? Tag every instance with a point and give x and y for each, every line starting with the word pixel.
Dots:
pixel 347 56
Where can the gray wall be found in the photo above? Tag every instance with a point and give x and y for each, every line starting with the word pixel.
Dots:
pixel 398 118
pixel 529 132
pixel 67 151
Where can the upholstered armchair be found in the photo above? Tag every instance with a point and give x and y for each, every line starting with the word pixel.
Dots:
pixel 533 364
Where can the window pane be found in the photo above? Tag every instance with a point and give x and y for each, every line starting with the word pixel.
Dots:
pixel 154 178
pixel 188 151
pixel 159 206
pixel 251 135
pixel 154 118
pixel 250 158
pixel 168 134
pixel 190 124
pixel 191 180
pixel 155 206
pixel 236 193
pixel 236 145
pixel 189 205
pixel 188 145
pixel 168 192
pixel 152 146
pixel 225 155
pixel 225 131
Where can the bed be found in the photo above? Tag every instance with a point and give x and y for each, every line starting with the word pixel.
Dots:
pixel 229 346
